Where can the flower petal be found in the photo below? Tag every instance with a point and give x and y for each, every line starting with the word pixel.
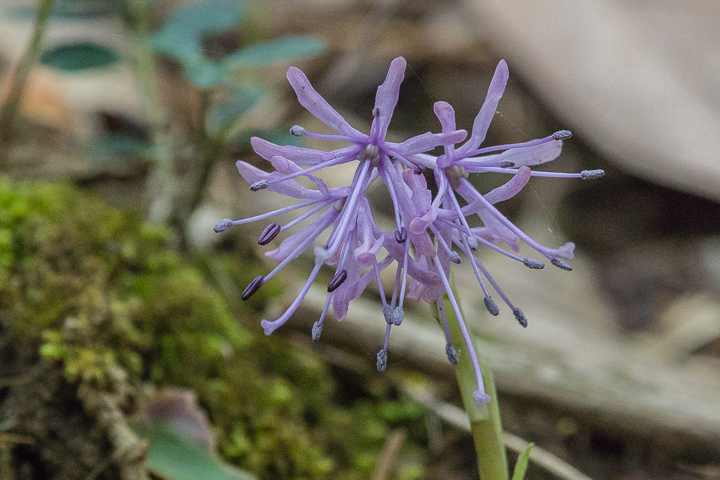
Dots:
pixel 306 157
pixel 286 166
pixel 487 111
pixel 293 241
pixel 511 188
pixel 425 142
pixel 318 106
pixel 516 157
pixel 291 188
pixel 386 99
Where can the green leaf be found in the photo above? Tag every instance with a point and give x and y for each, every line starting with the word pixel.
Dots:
pixel 71 9
pixel 79 56
pixel 522 463
pixel 282 50
pixel 241 100
pixel 115 145
pixel 176 457
pixel 205 74
pixel 200 18
pixel 175 43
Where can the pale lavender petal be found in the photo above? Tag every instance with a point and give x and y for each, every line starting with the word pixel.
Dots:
pixel 318 106
pixel 344 294
pixel 369 245
pixel 566 251
pixel 421 196
pixel 517 157
pixel 487 111
pixel 286 166
pixel 495 232
pixel 425 142
pixel 511 188
pixel 306 157
pixel 291 188
pixel 445 113
pixel 386 99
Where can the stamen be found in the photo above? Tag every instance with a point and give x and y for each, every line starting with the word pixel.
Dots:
pixel 309 213
pixel 319 323
pixel 388 314
pixel 406 257
pixel 451 354
pixel 493 283
pixel 223 225
pixel 376 112
pixel 455 258
pixel 269 234
pixel 386 175
pixel 562 135
pixel 520 317
pixel 504 220
pixel 330 216
pixel 358 187
pixel 397 316
pixel 337 280
pixel 400 235
pixel 382 360
pixel 473 262
pixel 271 214
pixel 297 130
pixel 302 171
pixel 491 306
pixel 592 174
pixel 441 307
pixel 479 394
pixel 561 264
pixel 270 327
pixel 507 164
pixel 510 146
pixel 252 287
pixel 316 331
pixel 259 185
pixel 533 264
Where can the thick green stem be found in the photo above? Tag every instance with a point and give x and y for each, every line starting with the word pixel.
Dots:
pixel 485 419
pixel 28 59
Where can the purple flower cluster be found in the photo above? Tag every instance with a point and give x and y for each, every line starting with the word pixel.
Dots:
pixel 430 229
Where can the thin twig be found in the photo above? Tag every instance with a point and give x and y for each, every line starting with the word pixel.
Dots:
pixel 28 59
pixel 389 455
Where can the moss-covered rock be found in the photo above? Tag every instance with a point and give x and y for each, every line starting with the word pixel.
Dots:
pixel 95 308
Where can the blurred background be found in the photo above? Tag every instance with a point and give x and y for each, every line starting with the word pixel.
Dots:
pixel 121 329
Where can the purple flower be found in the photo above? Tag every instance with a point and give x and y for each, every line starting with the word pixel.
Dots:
pixel 428 228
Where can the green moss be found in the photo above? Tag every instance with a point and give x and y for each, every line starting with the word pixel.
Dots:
pixel 86 288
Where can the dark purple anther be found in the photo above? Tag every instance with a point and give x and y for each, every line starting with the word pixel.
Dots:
pixel 520 317
pixel 451 354
pixel 401 235
pixel 507 164
pixel 269 234
pixel 252 287
pixel 223 225
pixel 337 280
pixel 491 306
pixel 560 264
pixel 534 264
pixel 592 174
